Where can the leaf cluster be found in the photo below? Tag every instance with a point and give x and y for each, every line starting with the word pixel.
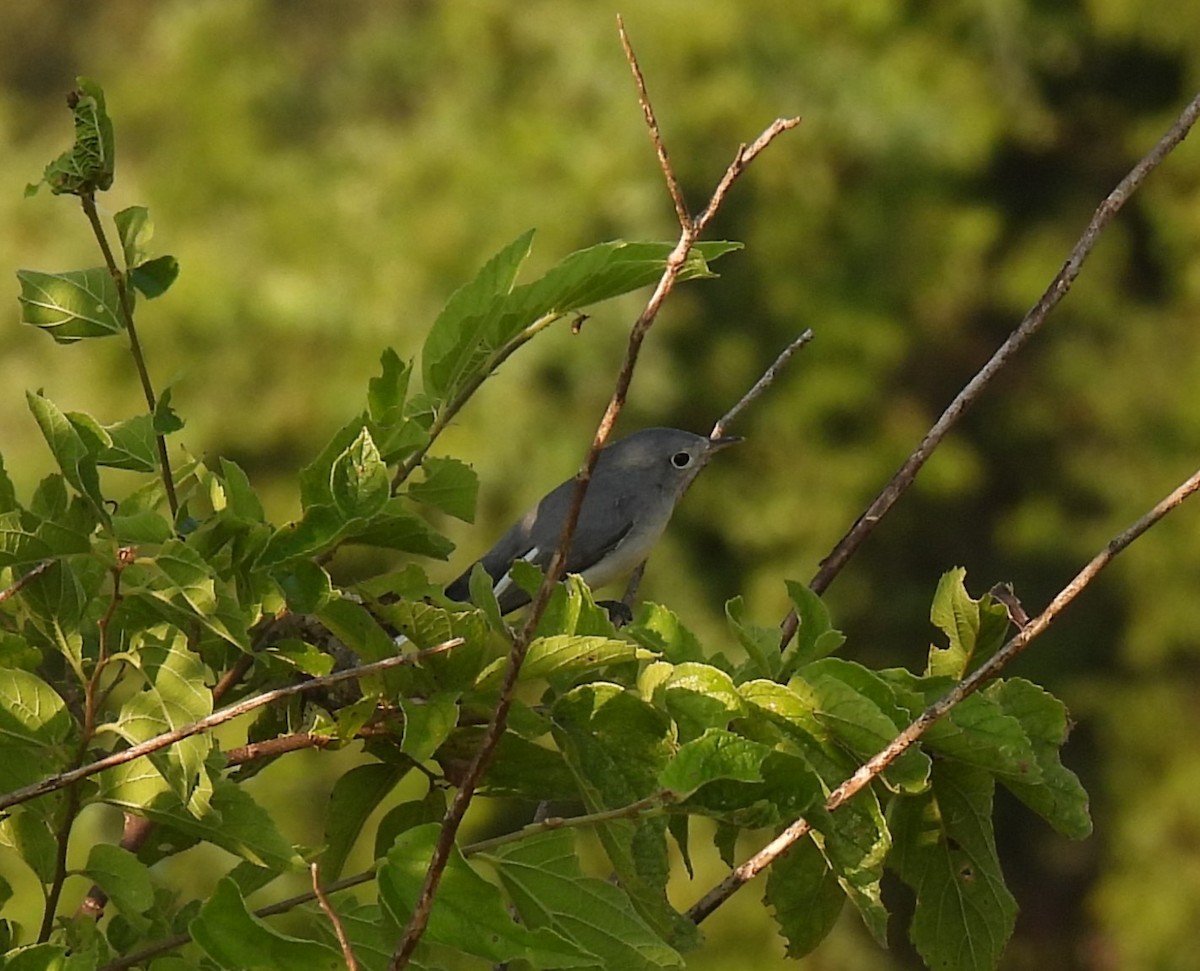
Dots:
pixel 124 618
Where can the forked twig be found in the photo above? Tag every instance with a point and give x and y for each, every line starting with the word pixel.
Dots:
pixel 690 230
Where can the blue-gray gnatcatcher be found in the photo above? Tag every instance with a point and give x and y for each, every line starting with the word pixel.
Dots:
pixel 631 496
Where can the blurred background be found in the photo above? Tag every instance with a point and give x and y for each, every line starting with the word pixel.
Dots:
pixel 327 174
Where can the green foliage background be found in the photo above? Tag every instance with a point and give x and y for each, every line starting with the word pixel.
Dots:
pixel 328 173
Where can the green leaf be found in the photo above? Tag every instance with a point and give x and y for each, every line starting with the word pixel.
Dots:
pixel 803 891
pixel 72 305
pixel 89 164
pixel 975 628
pixel 428 722
pixel 699 696
pixel 861 711
pixel 617 745
pixel 387 392
pixel 397 528
pixel 359 479
pixel 29 834
pixel 659 629
pixel 355 796
pixel 165 421
pixel 717 754
pixel 945 851
pixel 306 586
pixel 542 876
pixel 1058 796
pixel 242 501
pixel 449 485
pixel 8 494
pixel 760 643
pixel 135 229
pixel 130 445
pixel 469 913
pixel 77 461
pixel 452 343
pixel 563 656
pixel 154 277
pixel 353 625
pixel 815 637
pixel 237 940
pixel 122 876
pixel 406 816
pixel 232 820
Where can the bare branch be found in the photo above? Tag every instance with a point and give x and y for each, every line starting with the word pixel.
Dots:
pixel 28 578
pixel 338 929
pixel 664 161
pixel 64 779
pixel 761 385
pixel 969 685
pixel 690 230
pixel 832 565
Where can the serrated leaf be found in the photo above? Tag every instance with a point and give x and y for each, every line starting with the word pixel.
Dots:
pixel 407 815
pixel 306 586
pixel 122 876
pixel 975 629
pixel 542 876
pixel 71 306
pixel 358 479
pixel 232 820
pixel 154 277
pixel 803 892
pixel 165 421
pixel 699 696
pixel 236 940
pixel 860 710
pixel 387 392
pixel 717 754
pixel 355 796
pixel 760 643
pixel 616 745
pixel 659 629
pixel 815 636
pixel 468 914
pixel 1058 797
pixel 397 528
pixel 563 656
pixel 945 851
pixel 449 485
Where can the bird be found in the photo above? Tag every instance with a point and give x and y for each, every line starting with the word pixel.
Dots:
pixel 633 491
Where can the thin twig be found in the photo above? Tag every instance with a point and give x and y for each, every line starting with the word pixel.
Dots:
pixel 151 745
pixel 832 565
pixel 660 149
pixel 761 385
pixel 334 919
pixel 652 805
pixel 690 230
pixel 135 347
pixel 24 581
pixel 901 743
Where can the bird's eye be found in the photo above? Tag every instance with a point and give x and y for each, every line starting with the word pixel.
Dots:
pixel 681 460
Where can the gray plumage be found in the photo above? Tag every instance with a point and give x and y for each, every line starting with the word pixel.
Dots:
pixel 635 486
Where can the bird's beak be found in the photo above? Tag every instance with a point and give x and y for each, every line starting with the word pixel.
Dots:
pixel 716 444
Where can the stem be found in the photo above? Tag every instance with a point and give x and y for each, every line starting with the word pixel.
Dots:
pixel 126 307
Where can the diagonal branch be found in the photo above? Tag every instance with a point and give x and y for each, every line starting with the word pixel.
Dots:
pixel 151 745
pixel 969 685
pixel 690 230
pixel 832 565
